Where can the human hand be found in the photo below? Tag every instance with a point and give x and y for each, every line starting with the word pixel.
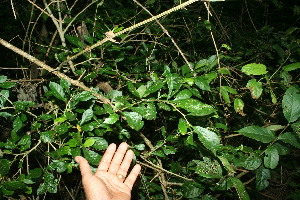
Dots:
pixel 110 181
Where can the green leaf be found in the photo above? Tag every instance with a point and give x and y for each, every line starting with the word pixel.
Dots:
pixel 17 124
pixel 47 137
pixel 5 114
pixel 57 91
pixel 146 110
pixel 255 88
pixel 275 127
pixel 132 89
pixel 271 157
pixel 157 85
pixel 83 96
pixel 252 162
pixel 3 79
pixel 50 184
pixel 184 94
pixel 291 104
pixel 4 167
pixel 258 133
pixel 202 82
pixel 254 69
pixel 62 128
pixel 7 85
pixel 226 164
pixel 208 138
pixel 194 106
pixel 164 106
pixel 24 142
pixel 182 126
pixel 89 142
pixel 224 92
pixel 208 168
pixel 87 116
pixel 240 188
pixel 282 149
pixel 291 67
pixel 92 157
pixel 65 84
pixel 192 190
pixel 23 105
pixel 111 119
pixel 262 176
pixel 134 120
pixel 58 165
pixel 100 143
pixel 289 138
pixel 239 106
pixel 35 173
pixel 141 91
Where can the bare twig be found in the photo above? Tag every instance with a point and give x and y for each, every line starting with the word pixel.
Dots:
pixel 50 69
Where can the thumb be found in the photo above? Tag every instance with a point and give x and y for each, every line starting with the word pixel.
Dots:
pixel 84 167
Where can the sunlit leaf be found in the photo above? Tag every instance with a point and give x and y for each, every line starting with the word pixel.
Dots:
pixel 255 88
pixel 254 69
pixel 134 120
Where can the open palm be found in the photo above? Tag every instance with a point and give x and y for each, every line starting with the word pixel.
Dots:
pixel 110 181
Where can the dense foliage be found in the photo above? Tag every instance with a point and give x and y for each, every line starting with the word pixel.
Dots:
pixel 224 125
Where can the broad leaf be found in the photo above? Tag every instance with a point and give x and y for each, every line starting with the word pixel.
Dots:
pixel 192 190
pixel 87 116
pixel 240 188
pixel 291 104
pixel 92 157
pixel 208 138
pixel 252 162
pixel 147 111
pixel 195 107
pixel 208 168
pixel 258 133
pixel 289 138
pixel 239 106
pixel 271 157
pixel 134 120
pixel 111 119
pixel 291 67
pixel 4 167
pixel 184 94
pixel 262 176
pixel 254 69
pixel 57 91
pixel 255 88
pixel 182 126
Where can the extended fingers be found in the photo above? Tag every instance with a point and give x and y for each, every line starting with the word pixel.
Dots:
pixel 126 163
pixel 132 176
pixel 118 158
pixel 107 157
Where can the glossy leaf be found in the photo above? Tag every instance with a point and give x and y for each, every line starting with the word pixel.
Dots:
pixel 291 104
pixel 47 136
pixel 195 107
pixel 255 88
pixel 258 133
pixel 271 158
pixel 57 91
pixel 208 138
pixel 89 142
pixel 254 69
pixel 113 118
pixel 50 184
pixel 147 111
pixel 184 94
pixel 87 116
pixel 134 120
pixel 92 157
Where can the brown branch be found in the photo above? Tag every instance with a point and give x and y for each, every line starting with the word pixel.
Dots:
pixel 53 71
